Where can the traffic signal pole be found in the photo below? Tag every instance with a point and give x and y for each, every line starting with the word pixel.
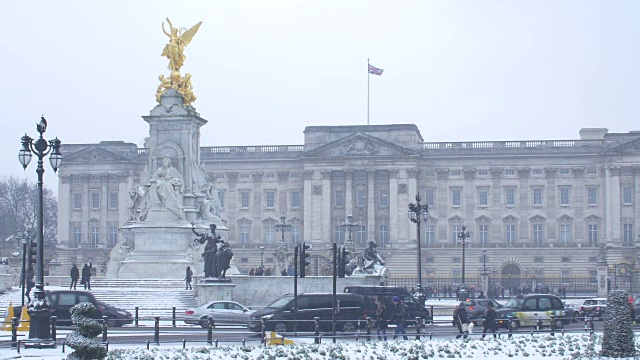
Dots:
pixel 335 302
pixel 295 287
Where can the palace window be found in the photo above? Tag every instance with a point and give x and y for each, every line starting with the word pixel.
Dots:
pixel 77 234
pixel 592 196
pixel 340 233
pixel 483 197
pixel 429 198
pixel 537 196
pixel 593 234
pixel 295 234
pixel 271 199
pixel 95 200
pixel 244 199
pixel 456 230
pixel 627 230
pixel 565 233
pixel 627 195
pixel 339 198
pixel 361 198
pixel 564 196
pixel 384 198
pixel 244 233
pixel 510 233
pixel 361 234
pixel 383 234
pixel 113 233
pixel 77 201
pixel 429 234
pixel 483 233
pixel 295 200
pixel 95 233
pixel 455 197
pixel 269 234
pixel 510 196
pixel 113 201
pixel 538 234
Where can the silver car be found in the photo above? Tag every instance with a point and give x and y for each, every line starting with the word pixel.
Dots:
pixel 222 312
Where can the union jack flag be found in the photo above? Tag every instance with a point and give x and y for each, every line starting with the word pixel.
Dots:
pixel 374 70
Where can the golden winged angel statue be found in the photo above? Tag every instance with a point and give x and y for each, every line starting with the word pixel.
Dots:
pixel 178 40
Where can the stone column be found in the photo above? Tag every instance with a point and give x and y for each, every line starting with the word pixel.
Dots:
pixel 326 205
pixel 255 206
pixel 283 179
pixel 550 204
pixel 412 190
pixel 371 204
pixel 65 197
pixel 104 209
pixel 348 192
pixel 442 203
pixel 393 206
pixel 615 200
pixel 307 190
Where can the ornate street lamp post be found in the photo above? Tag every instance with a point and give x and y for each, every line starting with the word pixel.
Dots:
pixel 463 239
pixel 349 226
pixel 282 252
pixel 484 273
pixel 39 311
pixel 419 213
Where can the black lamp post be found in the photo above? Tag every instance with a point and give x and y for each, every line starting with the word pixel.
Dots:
pixel 463 239
pixel 418 213
pixel 349 226
pixel 39 311
pixel 282 252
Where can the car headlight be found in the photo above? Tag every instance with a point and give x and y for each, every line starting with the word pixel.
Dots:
pixel 266 317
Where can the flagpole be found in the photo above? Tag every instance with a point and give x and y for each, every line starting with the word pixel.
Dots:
pixel 368 75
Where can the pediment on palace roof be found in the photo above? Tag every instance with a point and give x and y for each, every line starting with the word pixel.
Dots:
pixel 94 154
pixel 631 146
pixel 359 145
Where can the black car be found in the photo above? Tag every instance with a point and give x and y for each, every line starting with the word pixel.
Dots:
pixel 528 310
pixel 61 301
pixel 386 293
pixel 279 315
pixel 476 307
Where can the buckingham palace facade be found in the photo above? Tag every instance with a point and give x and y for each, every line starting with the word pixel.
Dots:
pixel 539 207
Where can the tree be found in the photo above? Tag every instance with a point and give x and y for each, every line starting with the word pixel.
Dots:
pixel 19 209
pixel 618 340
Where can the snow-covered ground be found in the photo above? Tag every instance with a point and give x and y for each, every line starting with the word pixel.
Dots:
pixel 520 347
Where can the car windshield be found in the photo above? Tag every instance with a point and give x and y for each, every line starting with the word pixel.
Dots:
pixel 280 302
pixel 515 303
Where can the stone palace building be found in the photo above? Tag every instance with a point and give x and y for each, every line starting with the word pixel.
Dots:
pixel 541 208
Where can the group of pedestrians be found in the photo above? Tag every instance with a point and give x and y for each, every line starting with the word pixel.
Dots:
pixel 462 322
pixel 398 316
pixel 86 276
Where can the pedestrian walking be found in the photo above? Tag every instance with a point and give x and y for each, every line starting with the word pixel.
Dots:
pixel 188 278
pixel 30 284
pixel 489 320
pixel 252 272
pixel 399 316
pixel 86 276
pixel 381 320
pixel 460 316
pixel 75 274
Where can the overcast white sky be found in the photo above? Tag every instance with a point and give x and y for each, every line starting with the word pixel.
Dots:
pixel 263 70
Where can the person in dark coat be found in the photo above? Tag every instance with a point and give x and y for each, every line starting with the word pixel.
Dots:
pixel 86 275
pixel 75 274
pixel 489 320
pixel 188 278
pixel 381 320
pixel 460 316
pixel 30 284
pixel 399 316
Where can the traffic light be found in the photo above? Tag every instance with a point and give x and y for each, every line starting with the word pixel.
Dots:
pixel 343 260
pixel 304 258
pixel 32 253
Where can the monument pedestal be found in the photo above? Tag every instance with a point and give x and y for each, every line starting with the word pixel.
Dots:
pixel 214 291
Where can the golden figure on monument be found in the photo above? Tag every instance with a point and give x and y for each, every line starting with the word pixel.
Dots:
pixel 174 51
pixel 178 40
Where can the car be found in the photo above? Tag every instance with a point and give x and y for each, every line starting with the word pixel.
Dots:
pixel 279 315
pixel 222 312
pixel 531 310
pixel 475 309
pixel 594 308
pixel 374 293
pixel 61 301
pixel 573 314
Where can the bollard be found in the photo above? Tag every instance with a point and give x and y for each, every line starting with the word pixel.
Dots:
pixel 368 328
pixel 262 331
pixel 184 343
pixel 54 328
pixel 316 332
pixel 148 344
pixel 282 339
pixel 431 313
pixel 105 327
pixel 418 326
pixel 18 347
pixel 210 331
pixel 64 343
pixel 156 333
pixel 538 324
pixel 216 343
pixel 14 331
pixel 586 325
pixel 357 337
pixel 106 346
pixel 510 327
pixel 173 316
pixel 430 336
pixel 244 342
pixel 592 327
pixel 136 316
pixel 553 324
